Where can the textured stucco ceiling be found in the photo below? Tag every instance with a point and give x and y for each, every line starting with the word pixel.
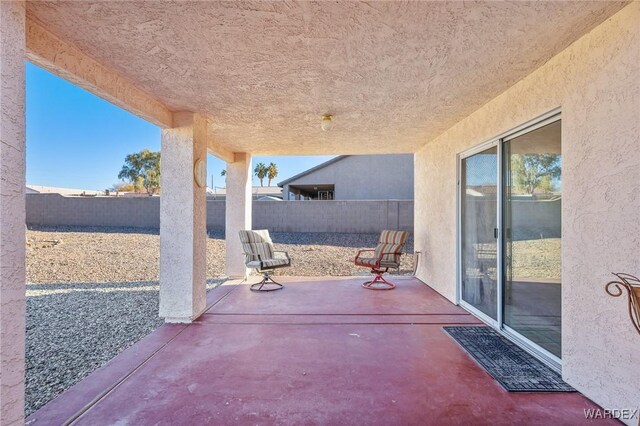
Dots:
pixel 393 74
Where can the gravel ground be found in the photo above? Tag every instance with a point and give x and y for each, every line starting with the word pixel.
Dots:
pixel 74 255
pixel 72 329
pixel 532 259
pixel 537 259
pixel 92 292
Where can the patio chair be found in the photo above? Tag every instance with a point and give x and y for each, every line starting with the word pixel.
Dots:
pixel 386 255
pixel 260 255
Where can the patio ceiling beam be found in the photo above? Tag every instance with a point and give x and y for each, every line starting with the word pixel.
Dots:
pixel 66 60
pixel 221 152
pixel 214 147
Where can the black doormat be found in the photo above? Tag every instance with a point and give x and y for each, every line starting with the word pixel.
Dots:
pixel 514 368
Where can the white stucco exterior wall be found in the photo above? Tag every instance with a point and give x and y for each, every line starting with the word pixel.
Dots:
pixel 237 213
pixel 183 221
pixel 596 83
pixel 12 212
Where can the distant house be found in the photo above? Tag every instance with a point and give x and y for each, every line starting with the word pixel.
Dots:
pixel 38 189
pixel 354 177
pixel 260 193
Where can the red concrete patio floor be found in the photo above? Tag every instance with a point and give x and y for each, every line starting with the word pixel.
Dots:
pixel 321 351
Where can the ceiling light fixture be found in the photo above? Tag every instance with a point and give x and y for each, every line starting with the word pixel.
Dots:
pixel 326 124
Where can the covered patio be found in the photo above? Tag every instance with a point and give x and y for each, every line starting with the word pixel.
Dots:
pixel 444 81
pixel 323 351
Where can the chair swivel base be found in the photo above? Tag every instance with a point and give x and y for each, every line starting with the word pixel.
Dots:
pixel 267 284
pixel 378 282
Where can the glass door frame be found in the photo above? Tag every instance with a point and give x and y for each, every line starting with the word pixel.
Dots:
pixel 493 143
pixel 498 324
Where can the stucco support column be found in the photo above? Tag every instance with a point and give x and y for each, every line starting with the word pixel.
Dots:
pixel 183 220
pixel 238 212
pixel 12 212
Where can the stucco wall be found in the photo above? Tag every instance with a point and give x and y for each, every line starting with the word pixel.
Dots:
pixel 365 177
pixel 278 216
pixel 596 83
pixel 12 190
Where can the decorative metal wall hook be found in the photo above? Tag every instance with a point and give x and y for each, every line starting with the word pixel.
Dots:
pixel 632 285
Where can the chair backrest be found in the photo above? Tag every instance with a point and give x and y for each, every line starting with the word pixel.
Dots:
pixel 256 243
pixel 391 242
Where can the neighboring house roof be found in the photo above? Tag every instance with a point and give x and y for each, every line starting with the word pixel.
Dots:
pixel 313 169
pixel 39 189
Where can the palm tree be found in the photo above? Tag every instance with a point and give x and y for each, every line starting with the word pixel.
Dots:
pixel 272 172
pixel 223 172
pixel 261 172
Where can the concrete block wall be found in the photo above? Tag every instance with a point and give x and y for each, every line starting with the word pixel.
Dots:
pixel 56 210
pixel 532 219
pixel 356 216
pixel 215 214
pixel 278 216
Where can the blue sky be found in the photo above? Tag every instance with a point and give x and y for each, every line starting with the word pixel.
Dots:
pixel 78 140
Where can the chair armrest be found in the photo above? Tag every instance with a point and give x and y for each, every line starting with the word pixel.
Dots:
pixel 286 254
pixel 362 251
pixel 379 260
pixel 391 252
pixel 246 256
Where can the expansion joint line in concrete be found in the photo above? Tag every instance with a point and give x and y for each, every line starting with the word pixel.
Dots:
pixel 75 417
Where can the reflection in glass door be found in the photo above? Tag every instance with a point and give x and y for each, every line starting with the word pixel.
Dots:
pixel 479 183
pixel 532 200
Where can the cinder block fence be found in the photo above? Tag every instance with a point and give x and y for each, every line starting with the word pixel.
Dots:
pixel 278 216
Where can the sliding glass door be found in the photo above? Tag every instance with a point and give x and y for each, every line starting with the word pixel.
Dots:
pixel 510 235
pixel 479 275
pixel 533 196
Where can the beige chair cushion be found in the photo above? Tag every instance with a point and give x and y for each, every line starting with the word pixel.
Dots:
pixel 259 252
pixel 389 246
pixel 256 243
pixel 391 242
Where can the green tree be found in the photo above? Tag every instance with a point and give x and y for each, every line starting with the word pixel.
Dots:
pixel 547 185
pixel 533 171
pixel 131 170
pixel 123 187
pixel 223 172
pixel 142 169
pixel 272 172
pixel 261 172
